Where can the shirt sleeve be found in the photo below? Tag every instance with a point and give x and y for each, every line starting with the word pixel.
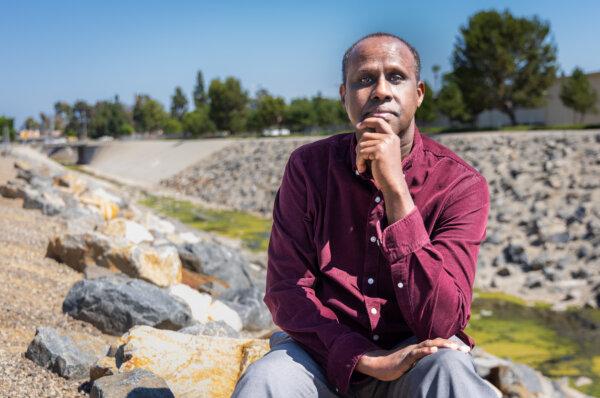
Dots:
pixel 433 275
pixel 290 290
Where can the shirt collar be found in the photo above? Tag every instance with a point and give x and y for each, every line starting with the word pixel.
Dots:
pixel 407 162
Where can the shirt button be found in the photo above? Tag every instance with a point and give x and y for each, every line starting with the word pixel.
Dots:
pixel 373 239
pixel 375 337
pixel 373 310
pixel 400 285
pixel 377 199
pixel 370 281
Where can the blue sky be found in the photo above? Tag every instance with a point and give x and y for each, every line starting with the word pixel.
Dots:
pixel 91 50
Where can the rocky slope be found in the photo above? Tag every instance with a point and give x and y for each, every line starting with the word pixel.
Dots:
pixel 543 240
pixel 186 306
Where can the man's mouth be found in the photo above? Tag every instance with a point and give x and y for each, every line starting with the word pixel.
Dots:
pixel 383 114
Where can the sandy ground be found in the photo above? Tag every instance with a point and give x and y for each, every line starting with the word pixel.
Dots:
pixel 32 290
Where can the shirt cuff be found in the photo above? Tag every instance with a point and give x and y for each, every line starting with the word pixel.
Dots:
pixel 404 236
pixel 343 357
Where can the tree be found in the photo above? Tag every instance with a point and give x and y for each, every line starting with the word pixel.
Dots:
pixel 228 104
pixel 179 104
pixel 427 112
pixel 504 62
pixel 31 124
pixel 300 115
pixel 267 111
pixel 80 118
pixel 577 93
pixel 200 98
pixel 198 122
pixel 172 126
pixel 62 114
pixel 46 122
pixel 148 114
pixel 328 112
pixel 436 76
pixel 110 118
pixel 7 123
pixel 450 102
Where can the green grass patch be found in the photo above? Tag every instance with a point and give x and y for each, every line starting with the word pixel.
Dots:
pixel 252 230
pixel 556 343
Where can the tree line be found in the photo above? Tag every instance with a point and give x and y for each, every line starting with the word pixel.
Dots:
pixel 224 107
pixel 499 61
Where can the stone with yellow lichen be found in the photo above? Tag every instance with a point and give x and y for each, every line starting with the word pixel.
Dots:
pixel 156 264
pixel 192 366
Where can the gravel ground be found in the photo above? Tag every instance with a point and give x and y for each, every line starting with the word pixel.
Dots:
pixel 31 294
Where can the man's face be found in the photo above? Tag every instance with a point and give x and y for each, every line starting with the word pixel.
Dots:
pixel 381 82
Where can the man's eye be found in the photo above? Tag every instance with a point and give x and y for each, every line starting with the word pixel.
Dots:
pixel 365 80
pixel 396 78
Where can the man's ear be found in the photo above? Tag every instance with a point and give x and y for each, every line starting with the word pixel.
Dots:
pixel 420 92
pixel 343 94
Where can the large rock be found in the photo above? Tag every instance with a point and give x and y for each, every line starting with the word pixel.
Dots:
pixel 192 366
pixel 78 250
pixel 211 328
pixel 198 302
pixel 139 383
pixel 117 303
pixel 126 229
pixel 219 261
pixel 219 311
pixel 13 189
pixel 49 202
pixel 517 380
pixel 60 354
pixel 156 264
pixel 249 305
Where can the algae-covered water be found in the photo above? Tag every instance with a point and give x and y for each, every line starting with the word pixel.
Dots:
pixel 556 343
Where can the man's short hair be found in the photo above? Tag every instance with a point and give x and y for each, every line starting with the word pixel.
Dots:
pixel 413 50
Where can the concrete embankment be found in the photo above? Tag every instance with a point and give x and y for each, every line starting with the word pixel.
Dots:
pixel 145 163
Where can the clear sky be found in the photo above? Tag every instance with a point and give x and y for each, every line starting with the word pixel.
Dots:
pixel 91 50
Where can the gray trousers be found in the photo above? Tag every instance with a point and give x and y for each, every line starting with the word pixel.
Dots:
pixel 289 371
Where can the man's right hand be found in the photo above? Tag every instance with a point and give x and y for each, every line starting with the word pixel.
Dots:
pixel 390 365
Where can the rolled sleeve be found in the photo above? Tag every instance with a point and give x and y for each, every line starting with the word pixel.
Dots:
pixel 404 236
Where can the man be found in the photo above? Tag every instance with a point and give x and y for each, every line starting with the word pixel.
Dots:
pixel 373 250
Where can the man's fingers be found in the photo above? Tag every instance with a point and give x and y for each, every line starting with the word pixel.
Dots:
pixel 376 123
pixel 418 353
pixel 443 343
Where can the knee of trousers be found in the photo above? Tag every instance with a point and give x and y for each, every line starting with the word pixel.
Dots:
pixel 274 374
pixel 448 361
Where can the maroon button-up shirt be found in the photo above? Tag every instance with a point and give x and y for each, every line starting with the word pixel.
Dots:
pixel 341 282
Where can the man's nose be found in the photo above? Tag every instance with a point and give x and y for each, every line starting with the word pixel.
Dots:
pixel 381 91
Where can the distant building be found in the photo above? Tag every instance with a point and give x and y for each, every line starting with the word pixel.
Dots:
pixel 275 132
pixel 30 135
pixel 552 114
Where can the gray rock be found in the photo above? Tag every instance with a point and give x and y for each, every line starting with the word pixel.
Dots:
pixel 514 253
pixel 219 261
pixel 59 354
pixel 139 383
pixel 13 189
pixel 214 328
pixel 249 305
pixel 114 304
pixel 517 380
pixel 49 202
